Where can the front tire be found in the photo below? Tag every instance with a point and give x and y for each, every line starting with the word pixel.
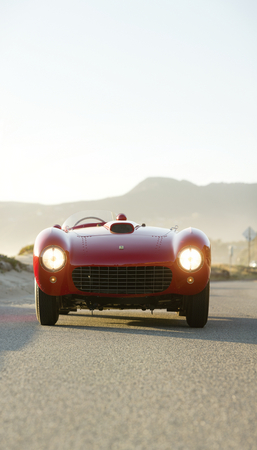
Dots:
pixel 197 307
pixel 47 307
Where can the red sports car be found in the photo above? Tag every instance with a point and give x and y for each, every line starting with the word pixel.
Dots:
pixel 98 261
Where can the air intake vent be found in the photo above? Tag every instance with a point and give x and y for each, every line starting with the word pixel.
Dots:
pixel 122 228
pixel 122 280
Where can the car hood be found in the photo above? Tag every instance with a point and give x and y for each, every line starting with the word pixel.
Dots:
pixel 98 246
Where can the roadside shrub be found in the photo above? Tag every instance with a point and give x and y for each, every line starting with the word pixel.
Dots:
pixel 27 250
pixel 7 264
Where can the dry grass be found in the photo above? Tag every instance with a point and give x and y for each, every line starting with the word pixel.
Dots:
pixel 28 250
pixel 225 272
pixel 7 264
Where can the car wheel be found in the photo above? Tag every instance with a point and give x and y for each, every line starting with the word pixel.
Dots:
pixel 47 307
pixel 197 307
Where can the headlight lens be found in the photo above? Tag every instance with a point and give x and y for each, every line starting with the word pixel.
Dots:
pixel 53 258
pixel 190 259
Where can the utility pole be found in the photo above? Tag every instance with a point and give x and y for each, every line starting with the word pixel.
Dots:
pixel 230 252
pixel 249 234
pixel 249 246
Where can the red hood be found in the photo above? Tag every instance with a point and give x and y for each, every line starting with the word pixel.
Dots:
pixel 101 247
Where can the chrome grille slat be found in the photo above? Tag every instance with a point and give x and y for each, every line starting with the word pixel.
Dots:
pixel 122 280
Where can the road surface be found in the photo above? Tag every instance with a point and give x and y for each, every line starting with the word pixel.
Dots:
pixel 129 380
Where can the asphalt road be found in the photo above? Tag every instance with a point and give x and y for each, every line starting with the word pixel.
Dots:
pixel 129 380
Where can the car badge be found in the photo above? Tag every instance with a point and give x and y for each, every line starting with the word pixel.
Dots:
pixel 121 247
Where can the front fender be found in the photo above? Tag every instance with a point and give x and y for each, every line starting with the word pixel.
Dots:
pixel 195 238
pixel 48 237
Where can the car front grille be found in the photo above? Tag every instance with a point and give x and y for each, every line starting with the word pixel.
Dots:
pixel 122 280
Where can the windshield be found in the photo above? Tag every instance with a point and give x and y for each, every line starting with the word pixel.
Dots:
pixel 88 216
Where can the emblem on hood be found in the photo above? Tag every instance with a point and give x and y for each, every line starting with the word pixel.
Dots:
pixel 121 247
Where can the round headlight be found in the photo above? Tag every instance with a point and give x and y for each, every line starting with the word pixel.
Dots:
pixel 190 259
pixel 53 258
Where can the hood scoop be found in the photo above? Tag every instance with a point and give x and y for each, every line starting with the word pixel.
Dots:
pixel 122 228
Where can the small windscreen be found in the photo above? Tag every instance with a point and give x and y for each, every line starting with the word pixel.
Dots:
pixel 89 216
pixel 122 228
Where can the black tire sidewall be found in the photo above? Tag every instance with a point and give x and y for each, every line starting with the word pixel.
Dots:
pixel 47 307
pixel 197 308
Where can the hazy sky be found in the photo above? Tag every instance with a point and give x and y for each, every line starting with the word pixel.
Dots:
pixel 96 95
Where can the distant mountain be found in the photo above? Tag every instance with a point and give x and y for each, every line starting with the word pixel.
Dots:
pixel 223 211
